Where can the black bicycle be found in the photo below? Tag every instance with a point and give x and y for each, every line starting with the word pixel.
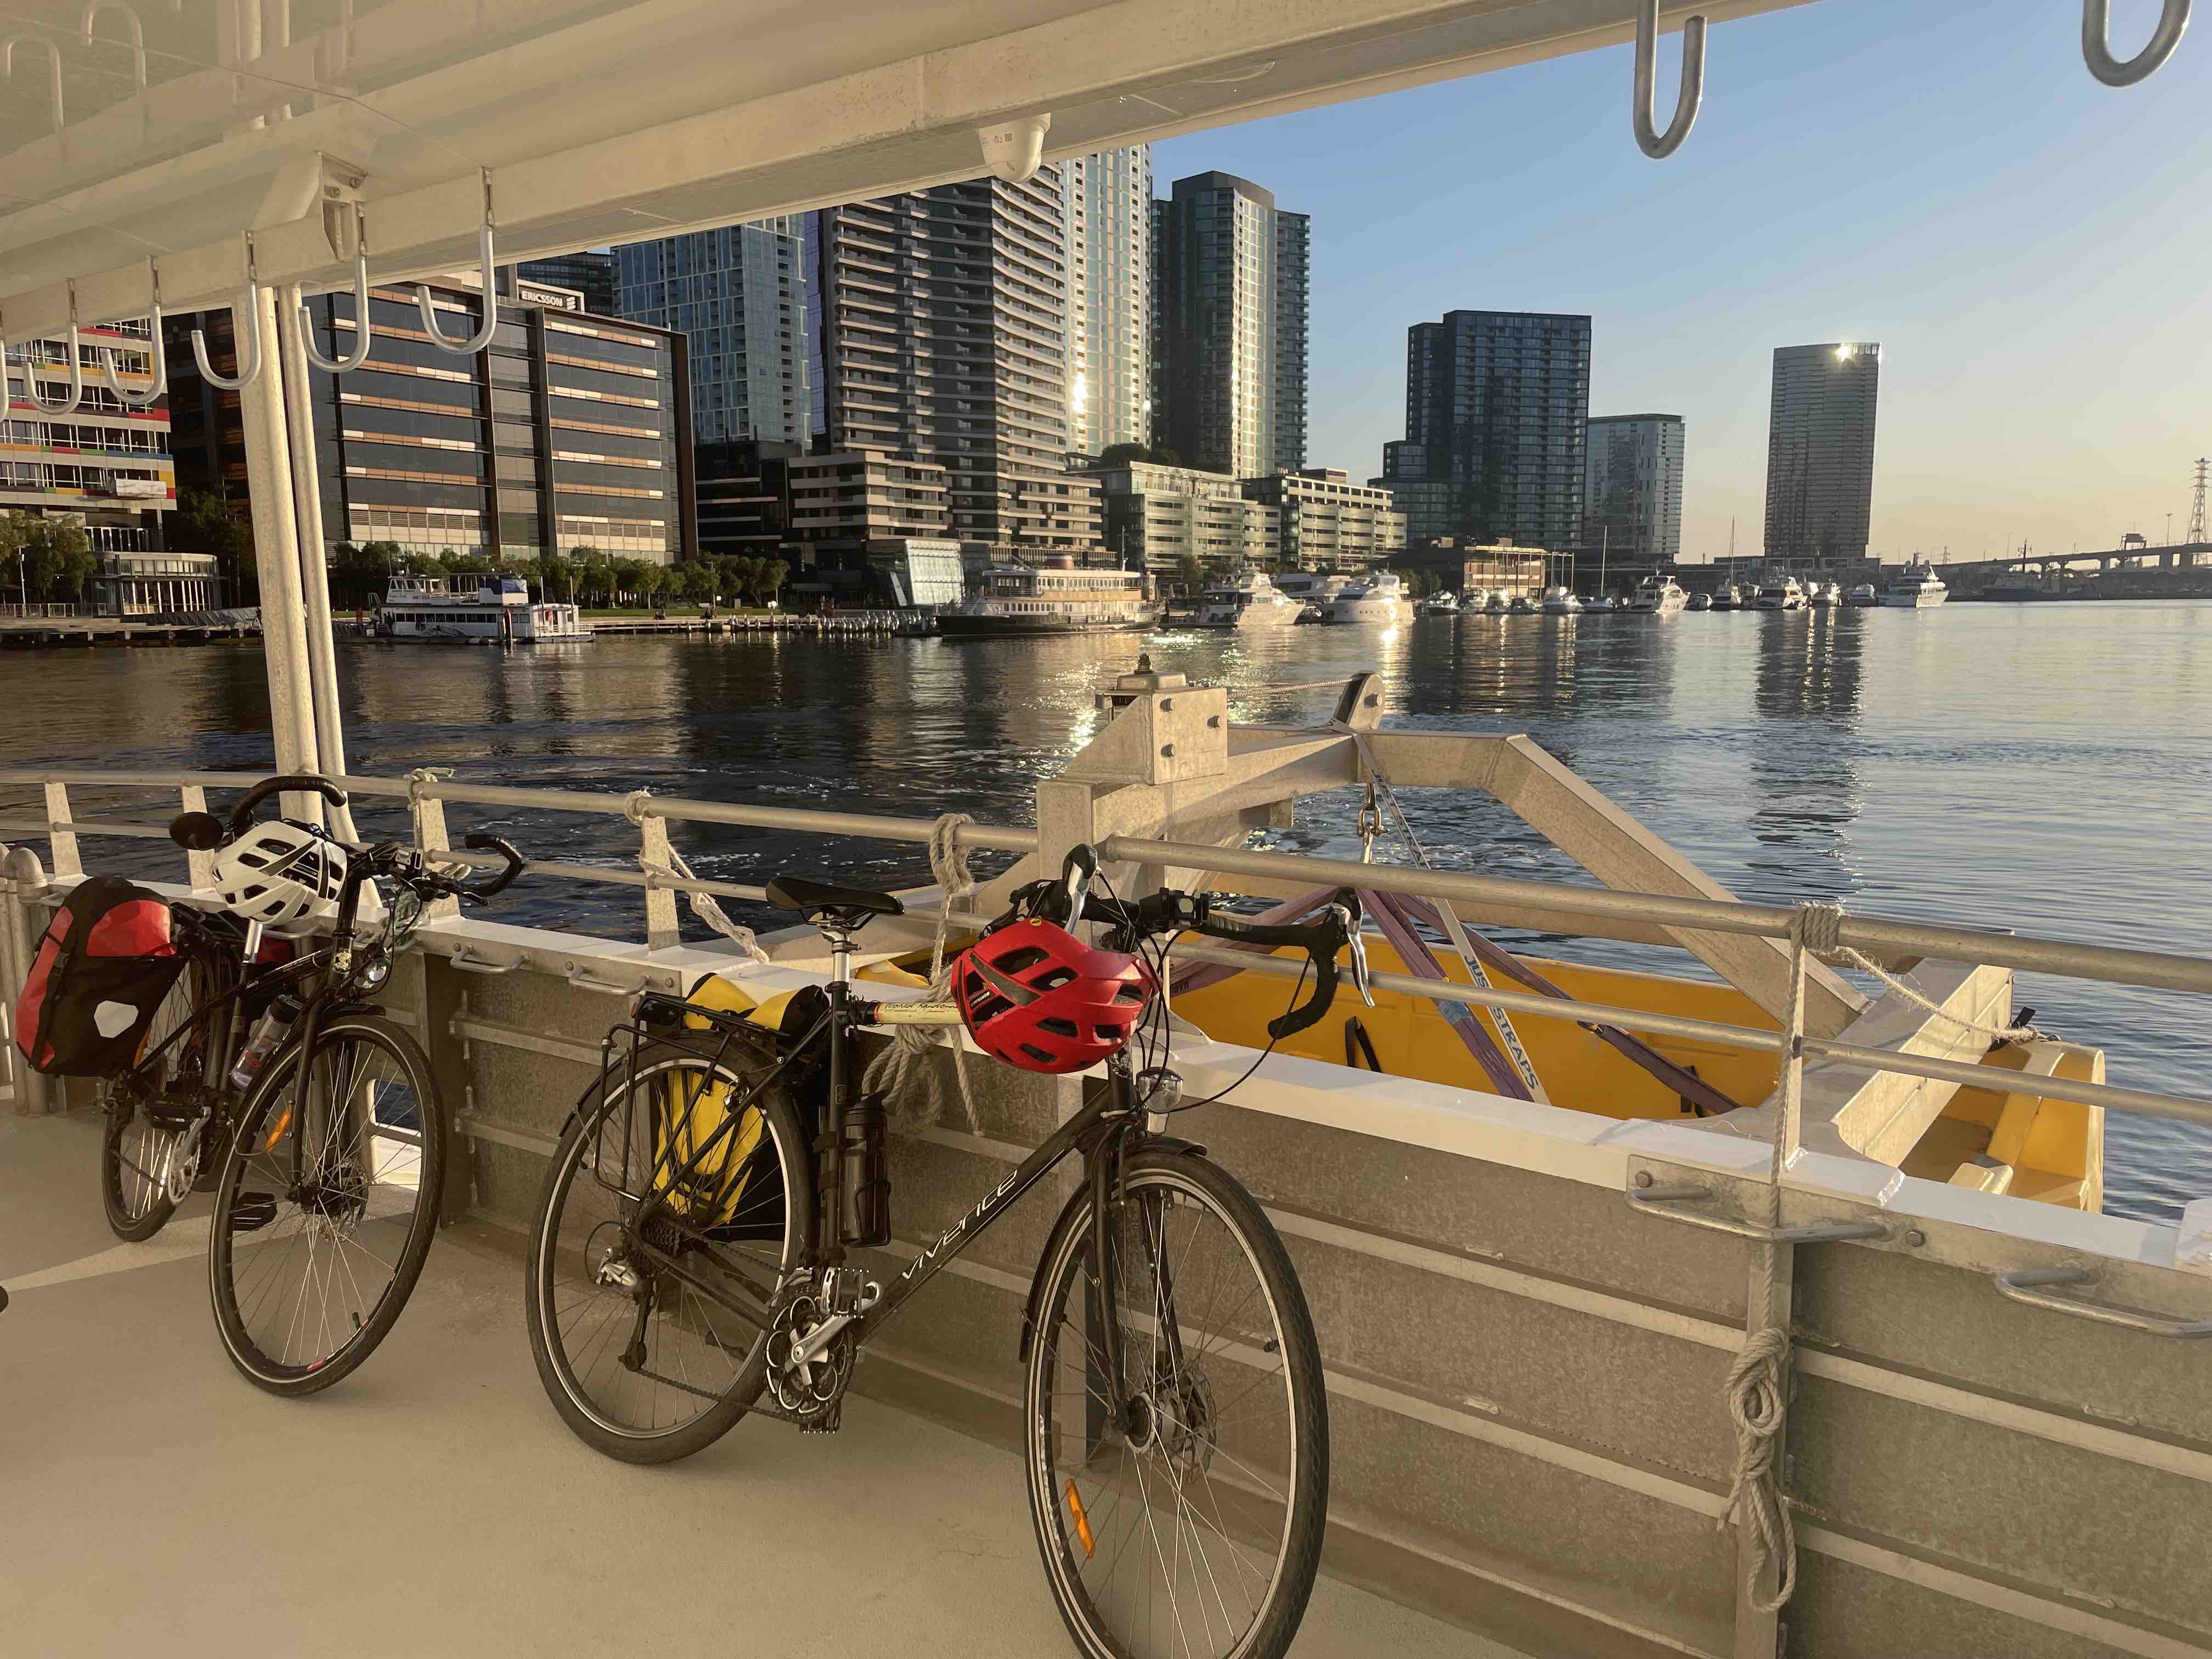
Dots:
pixel 314 1116
pixel 691 1254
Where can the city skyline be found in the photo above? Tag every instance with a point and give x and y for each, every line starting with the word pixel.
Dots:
pixel 2038 364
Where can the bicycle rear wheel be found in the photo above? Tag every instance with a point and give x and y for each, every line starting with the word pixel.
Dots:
pixel 1185 1517
pixel 140 1183
pixel 327 1204
pixel 640 1360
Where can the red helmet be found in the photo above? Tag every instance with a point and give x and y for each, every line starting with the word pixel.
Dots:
pixel 1038 996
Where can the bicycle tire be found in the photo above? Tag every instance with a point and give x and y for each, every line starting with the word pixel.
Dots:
pixel 337 1197
pixel 131 1194
pixel 554 1331
pixel 1189 1403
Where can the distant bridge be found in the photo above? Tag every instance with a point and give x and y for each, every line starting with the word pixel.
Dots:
pixel 2047 566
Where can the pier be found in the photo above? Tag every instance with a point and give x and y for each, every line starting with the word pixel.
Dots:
pixel 42 633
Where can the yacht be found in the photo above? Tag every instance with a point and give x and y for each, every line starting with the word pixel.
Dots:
pixel 1521 605
pixel 1863 596
pixel 1445 603
pixel 1824 594
pixel 1779 592
pixel 1915 588
pixel 1603 602
pixel 1727 597
pixel 1057 597
pixel 1658 595
pixel 1497 603
pixel 1248 601
pixel 1380 598
pixel 1561 602
pixel 1701 601
pixel 495 610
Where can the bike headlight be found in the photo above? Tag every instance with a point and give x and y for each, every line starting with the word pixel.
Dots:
pixel 374 973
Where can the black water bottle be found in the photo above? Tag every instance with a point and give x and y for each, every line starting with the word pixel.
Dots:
pixel 863 1176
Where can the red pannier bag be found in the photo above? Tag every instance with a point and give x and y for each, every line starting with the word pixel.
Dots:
pixel 97 980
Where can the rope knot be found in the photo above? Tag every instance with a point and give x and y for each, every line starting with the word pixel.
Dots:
pixel 1820 928
pixel 1756 1401
pixel 420 779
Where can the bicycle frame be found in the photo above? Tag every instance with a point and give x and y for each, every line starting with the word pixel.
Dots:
pixel 1100 1130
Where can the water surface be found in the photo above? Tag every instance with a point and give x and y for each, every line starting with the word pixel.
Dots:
pixel 2040 767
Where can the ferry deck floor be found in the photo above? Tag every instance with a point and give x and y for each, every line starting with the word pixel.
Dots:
pixel 433 1504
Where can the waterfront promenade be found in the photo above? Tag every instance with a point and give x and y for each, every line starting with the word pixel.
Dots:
pixel 432 1504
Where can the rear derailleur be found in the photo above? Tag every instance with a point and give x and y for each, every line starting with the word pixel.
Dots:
pixel 810 1343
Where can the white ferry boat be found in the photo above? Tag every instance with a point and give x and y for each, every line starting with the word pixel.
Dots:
pixel 1916 589
pixel 1380 598
pixel 497 611
pixel 1248 601
pixel 1059 597
pixel 1779 592
pixel 1658 595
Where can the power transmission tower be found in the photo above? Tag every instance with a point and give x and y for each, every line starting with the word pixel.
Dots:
pixel 2196 532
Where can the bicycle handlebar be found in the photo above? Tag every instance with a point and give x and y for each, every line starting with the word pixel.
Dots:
pixel 1167 911
pixel 481 841
pixel 308 783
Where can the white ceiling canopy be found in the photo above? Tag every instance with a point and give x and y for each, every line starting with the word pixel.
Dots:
pixel 164 131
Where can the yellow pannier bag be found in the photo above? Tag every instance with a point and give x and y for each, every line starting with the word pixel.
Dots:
pixel 709 1193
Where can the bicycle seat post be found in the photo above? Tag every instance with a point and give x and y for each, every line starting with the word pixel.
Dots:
pixel 840 939
pixel 252 941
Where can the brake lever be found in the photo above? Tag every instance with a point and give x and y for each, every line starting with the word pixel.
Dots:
pixel 1356 948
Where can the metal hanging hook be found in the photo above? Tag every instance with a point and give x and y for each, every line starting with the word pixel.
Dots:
pixel 160 357
pixel 2097 48
pixel 364 335
pixel 137 34
pixel 245 331
pixel 53 66
pixel 1653 142
pixel 476 342
pixel 68 406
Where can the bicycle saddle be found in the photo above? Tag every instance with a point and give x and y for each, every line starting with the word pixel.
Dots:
pixel 848 907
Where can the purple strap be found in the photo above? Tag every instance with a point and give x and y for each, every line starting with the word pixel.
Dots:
pixel 1504 1078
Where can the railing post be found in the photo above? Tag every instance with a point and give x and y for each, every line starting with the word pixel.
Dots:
pixel 660 926
pixel 19 877
pixel 1762 1567
pixel 429 816
pixel 63 844
pixel 199 867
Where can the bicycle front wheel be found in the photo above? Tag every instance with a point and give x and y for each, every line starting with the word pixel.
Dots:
pixel 1182 1514
pixel 327 1204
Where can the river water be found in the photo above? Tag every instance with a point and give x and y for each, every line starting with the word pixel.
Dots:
pixel 2041 767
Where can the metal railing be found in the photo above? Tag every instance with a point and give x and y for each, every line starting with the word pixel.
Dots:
pixel 1603 912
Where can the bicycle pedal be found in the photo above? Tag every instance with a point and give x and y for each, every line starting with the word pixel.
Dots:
pixel 253 1211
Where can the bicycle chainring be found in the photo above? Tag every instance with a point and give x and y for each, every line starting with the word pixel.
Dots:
pixel 810 1391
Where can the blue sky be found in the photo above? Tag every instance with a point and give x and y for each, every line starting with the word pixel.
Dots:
pixel 2032 249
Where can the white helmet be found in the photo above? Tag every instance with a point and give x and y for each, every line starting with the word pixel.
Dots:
pixel 280 871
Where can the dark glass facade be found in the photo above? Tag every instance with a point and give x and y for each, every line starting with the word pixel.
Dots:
pixel 1497 418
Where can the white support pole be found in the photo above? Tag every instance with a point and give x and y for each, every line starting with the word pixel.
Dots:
pixel 276 558
pixel 314 562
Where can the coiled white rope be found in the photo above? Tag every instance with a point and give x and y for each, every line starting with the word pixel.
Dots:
pixel 1757 1380
pixel 703 905
pixel 1821 928
pixel 912 1089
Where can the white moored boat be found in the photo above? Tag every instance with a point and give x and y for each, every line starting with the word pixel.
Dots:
pixel 1380 598
pixel 1248 601
pixel 1060 599
pixel 1824 595
pixel 497 611
pixel 1561 602
pixel 1445 603
pixel 1658 595
pixel 1779 592
pixel 1916 588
